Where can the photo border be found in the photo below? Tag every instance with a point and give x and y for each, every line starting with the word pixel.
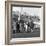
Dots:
pixel 7 28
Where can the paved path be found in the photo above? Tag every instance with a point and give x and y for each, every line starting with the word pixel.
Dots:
pixel 25 35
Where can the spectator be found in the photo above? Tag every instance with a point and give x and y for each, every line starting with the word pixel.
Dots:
pixel 17 27
pixel 32 26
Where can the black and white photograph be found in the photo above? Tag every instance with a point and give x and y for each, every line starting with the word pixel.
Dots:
pixel 25 22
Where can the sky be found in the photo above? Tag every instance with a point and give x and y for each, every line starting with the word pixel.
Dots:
pixel 29 10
